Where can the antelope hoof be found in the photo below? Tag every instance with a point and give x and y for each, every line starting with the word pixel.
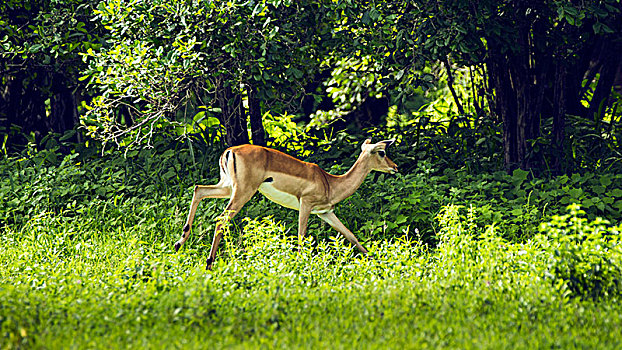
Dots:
pixel 177 246
pixel 208 266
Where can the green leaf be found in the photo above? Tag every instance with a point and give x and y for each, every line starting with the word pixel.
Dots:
pixel 575 192
pixel 598 189
pixel 587 203
pixel 69 134
pixel 605 180
pixel 571 11
pixel 519 175
pixel 400 219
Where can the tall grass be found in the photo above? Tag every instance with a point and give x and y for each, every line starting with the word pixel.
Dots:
pixel 65 284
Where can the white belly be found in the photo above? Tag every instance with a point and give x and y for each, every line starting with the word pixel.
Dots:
pixel 285 199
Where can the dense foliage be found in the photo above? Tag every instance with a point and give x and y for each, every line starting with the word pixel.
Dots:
pixel 456 259
pixel 532 73
pixel 384 207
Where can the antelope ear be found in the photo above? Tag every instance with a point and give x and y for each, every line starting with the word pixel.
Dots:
pixel 367 142
pixel 387 142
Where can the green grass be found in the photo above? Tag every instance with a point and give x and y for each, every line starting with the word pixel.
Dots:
pixel 81 283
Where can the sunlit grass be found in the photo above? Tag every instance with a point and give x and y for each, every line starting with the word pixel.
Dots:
pixel 64 284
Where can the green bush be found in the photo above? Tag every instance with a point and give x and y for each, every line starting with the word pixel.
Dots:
pixel 586 255
pixel 470 256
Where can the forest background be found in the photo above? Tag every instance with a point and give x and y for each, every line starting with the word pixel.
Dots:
pixel 501 230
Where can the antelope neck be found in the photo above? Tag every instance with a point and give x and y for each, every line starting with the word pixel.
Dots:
pixel 343 186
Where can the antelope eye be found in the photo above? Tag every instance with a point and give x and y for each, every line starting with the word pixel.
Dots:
pixel 381 153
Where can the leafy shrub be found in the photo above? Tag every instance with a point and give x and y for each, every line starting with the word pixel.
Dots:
pixel 586 256
pixel 470 256
pixel 87 184
pixel 388 206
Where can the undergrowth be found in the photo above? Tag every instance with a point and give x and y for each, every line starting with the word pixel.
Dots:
pixel 156 183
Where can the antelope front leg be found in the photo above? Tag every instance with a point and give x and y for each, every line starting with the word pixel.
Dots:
pixel 200 192
pixel 303 220
pixel 334 221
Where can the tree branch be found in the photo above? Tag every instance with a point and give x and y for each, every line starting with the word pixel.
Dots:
pixel 450 83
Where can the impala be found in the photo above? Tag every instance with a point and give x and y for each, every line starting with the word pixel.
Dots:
pixel 290 182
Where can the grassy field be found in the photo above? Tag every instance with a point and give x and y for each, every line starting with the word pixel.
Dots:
pixel 79 282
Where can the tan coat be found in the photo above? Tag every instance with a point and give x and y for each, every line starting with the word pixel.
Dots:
pixel 288 181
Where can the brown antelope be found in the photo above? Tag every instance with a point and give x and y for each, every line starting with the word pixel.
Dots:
pixel 290 182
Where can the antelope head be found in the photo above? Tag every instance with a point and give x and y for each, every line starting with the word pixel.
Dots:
pixel 376 154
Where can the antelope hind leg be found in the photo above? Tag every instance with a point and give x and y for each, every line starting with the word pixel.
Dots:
pixel 237 201
pixel 200 192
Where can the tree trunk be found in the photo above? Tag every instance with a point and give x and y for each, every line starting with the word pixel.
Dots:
pixel 258 133
pixel 516 77
pixel 559 116
pixel 505 107
pixel 233 115
pixel 450 84
pixel 63 108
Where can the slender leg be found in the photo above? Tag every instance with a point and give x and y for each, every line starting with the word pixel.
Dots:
pixel 237 201
pixel 216 191
pixel 303 220
pixel 334 221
